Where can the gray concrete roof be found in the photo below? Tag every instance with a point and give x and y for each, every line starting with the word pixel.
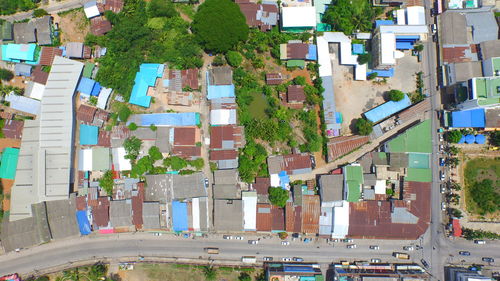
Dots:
pixel 62 218
pixel 74 50
pixel 222 75
pixel 145 134
pixel 24 32
pixel 120 213
pixel 151 215
pixel 204 223
pixel 45 159
pixel 226 176
pixel 484 26
pixel 43 30
pixel 490 49
pixel 226 191
pixel 228 215
pixel 167 187
pixel 162 135
pixel 331 187
pixel 455 26
pixel 466 70
pixel 227 164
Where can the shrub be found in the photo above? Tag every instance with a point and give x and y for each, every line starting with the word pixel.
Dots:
pixel 372 76
pixel 364 127
pixel 6 75
pixel 132 147
pixel 124 113
pixel 38 13
pixel 132 126
pixel 106 183
pixel 396 95
pixel 153 127
pixel 299 80
pixel 234 59
pixel 278 196
pixel 453 136
pixel 154 153
pixel 364 58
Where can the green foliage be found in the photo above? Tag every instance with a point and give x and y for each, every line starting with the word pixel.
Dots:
pixel 219 60
pixel 396 95
pixel 210 273
pixel 6 75
pixel 453 136
pixel 198 163
pixel 161 8
pixel 299 80
pixel 186 172
pixel 283 235
pixel 234 58
pixel 132 147
pixel 153 127
pixel 219 25
pixel 485 196
pixel 8 7
pixel 419 48
pixel 175 163
pixel 312 95
pixel 213 166
pixel 132 126
pixel 143 165
pixel 372 76
pixel 310 130
pixel 471 234
pixel 495 138
pixel 364 127
pixel 93 100
pixel 278 196
pixel 364 58
pixel 456 213
pixel 348 16
pixel 244 277
pixel 124 113
pixel 106 182
pixel 252 161
pixel 38 13
pixel 154 153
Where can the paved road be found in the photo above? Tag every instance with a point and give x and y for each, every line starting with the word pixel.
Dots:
pixel 145 244
pixel 51 8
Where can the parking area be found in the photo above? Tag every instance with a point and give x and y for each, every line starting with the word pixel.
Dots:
pixel 352 98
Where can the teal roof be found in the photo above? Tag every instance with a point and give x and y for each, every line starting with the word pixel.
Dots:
pixel 88 134
pixel 145 78
pixel 415 139
pixel 354 179
pixel 8 163
pixel 418 160
pixel 419 175
pixel 19 52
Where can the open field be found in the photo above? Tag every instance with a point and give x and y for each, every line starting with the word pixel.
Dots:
pixel 74 26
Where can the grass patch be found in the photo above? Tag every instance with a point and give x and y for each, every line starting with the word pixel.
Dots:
pixel 186 9
pixel 482 185
pixel 186 272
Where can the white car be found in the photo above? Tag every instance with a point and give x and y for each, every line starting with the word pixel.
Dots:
pixel 443 206
pixel 442 175
pixel 157 234
pixel 374 247
pixel 268 258
pixel 286 259
pixel 351 246
pixel 408 248
pixel 433 28
pixel 285 243
pixel 238 237
pixel 480 242
pixel 227 237
pixel 376 260
pixel 253 242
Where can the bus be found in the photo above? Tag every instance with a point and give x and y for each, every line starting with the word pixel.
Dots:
pixel 248 259
pixel 401 256
pixel 214 251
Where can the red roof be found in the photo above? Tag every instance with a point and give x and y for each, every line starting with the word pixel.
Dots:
pixel 293 218
pixel 273 78
pixel 87 52
pixel 184 136
pixel 218 134
pixel 85 113
pixel 186 151
pixel 297 51
pixel 262 185
pixel 13 129
pixel 101 212
pixel 293 162
pixel 296 94
pixel 190 78
pixel 223 154
pixel 340 146
pixel 39 76
pixel 114 5
pixel 137 207
pixel 455 54
pixel 457 229
pixel 311 210
pixel 47 55
pixel 278 215
pixel 81 203
pixel 264 217
pixel 99 26
pixel 120 132
pixel 101 114
pixel 104 138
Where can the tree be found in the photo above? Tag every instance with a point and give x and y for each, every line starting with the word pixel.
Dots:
pixel 485 196
pixel 38 13
pixel 145 164
pixel 453 136
pixel 132 147
pixel 124 113
pixel 456 213
pixel 106 182
pixel 97 272
pixel 175 163
pixel 372 76
pixel 396 95
pixel 364 127
pixel 210 273
pixel 6 75
pixel 218 60
pixel 161 8
pixel 132 126
pixel 364 58
pixel 349 16
pixel 154 153
pixel 453 150
pixel 419 48
pixel 452 161
pixel 299 80
pixel 234 58
pixel 495 138
pixel 278 196
pixel 153 127
pixel 219 25
pixel 197 163
pixel 244 277
pixel 282 235
pixel 93 100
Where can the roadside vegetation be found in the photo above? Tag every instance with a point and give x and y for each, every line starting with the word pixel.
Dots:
pixel 349 16
pixel 482 185
pixel 471 234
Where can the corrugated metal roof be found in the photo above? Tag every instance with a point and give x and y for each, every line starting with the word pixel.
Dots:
pixel 340 146
pixel 264 217
pixel 223 154
pixel 185 136
pixel 310 213
pixel 296 94
pixel 278 218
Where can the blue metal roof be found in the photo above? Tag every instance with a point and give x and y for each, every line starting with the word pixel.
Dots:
pixel 83 222
pixel 382 72
pixel 358 49
pixel 145 78
pixel 220 91
pixel 383 22
pixel 19 52
pixel 474 118
pixel 312 52
pixel 329 109
pixel 404 45
pixel 387 109
pixel 86 86
pixel 88 134
pixel 169 119
pixel 179 216
pixel 96 89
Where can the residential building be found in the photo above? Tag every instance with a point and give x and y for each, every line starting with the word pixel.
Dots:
pixel 481 92
pixel 225 159
pixel 295 94
pixel 263 16
pixel 340 146
pixel 280 166
pixel 220 82
pixel 228 215
pixel 91 10
pixel 274 78
pixel 464 274
pixel 293 271
pixel 144 79
pixel 226 137
pixel 296 50
pixel 37 30
pixel 99 25
pixel 298 19
pixel 6 32
pixel 181 119
pixel 381 272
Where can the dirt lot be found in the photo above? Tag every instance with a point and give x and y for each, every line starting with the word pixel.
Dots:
pixel 74 26
pixel 352 98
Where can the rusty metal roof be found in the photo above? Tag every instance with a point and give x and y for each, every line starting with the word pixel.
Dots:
pixel 273 78
pixel 101 212
pixel 264 217
pixel 226 137
pixel 311 210
pixel 296 94
pixel 190 78
pixel 293 216
pixel 81 203
pixel 104 138
pixel 85 113
pixel 99 26
pixel 13 129
pixel 114 5
pixel 340 146
pixel 297 51
pixel 278 216
pixel 137 201
pixel 39 76
pixel 186 151
pixel 262 185
pixel 223 154
pixel 47 55
pixel 184 136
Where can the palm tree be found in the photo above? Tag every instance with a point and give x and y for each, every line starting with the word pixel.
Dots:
pixel 210 273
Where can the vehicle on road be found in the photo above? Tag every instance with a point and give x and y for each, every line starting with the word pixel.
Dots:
pixel 206 183
pixel 433 28
pixel 485 259
pixel 441 148
pixel 214 251
pixel 239 238
pixel 441 162
pixel 286 259
pixel 376 260
pixel 348 240
pixel 480 242
pixel 442 175
pixel 443 188
pixel 401 256
pixel 408 248
pixel 157 234
pixel 424 263
pixel 443 206
pixel 441 139
pixel 374 247
pixel 268 258
pixel 351 246
pixel 285 243
pixel 253 242
pixel 464 253
pixel 227 237
pixel 298 259
pixel 248 259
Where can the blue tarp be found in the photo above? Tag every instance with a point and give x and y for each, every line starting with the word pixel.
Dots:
pixel 179 216
pixel 169 119
pixel 480 139
pixel 474 118
pixel 387 109
pixel 404 45
pixel 312 52
pixel 382 72
pixel 83 222
pixel 88 134
pixel 470 139
pixel 297 268
pixel 145 78
pixel 284 179
pixel 408 37
pixel 86 86
pixel 358 49
pixel 96 90
pixel 383 22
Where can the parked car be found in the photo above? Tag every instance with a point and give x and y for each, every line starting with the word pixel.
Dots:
pixel 480 242
pixel 268 258
pixel 239 237
pixel 424 263
pixel 488 259
pixel 376 260
pixel 206 183
pixel 351 246
pixel 298 259
pixel 286 259
pixel 441 139
pixel 441 162
pixel 433 28
pixel 441 176
pixel 253 242
pixel 348 240
pixel 227 237
pixel 157 234
pixel 313 162
pixel 443 188
pixel 441 147
pixel 374 247
pixel 408 248
pixel 443 206
pixel 464 253
pixel 285 243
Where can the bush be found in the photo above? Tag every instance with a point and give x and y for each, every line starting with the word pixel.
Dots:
pixel 124 113
pixel 219 25
pixel 483 193
pixel 299 80
pixel 6 75
pixel 175 163
pixel 278 196
pixel 38 13
pixel 219 60
pixel 244 277
pixel 419 48
pixel 234 59
pixel 396 95
pixel 132 147
pixel 154 153
pixel 495 138
pixel 153 127
pixel 161 8
pixel 282 235
pixel 364 58
pixel 197 163
pixel 372 76
pixel 453 136
pixel 132 126
pixel 107 183
pixel 364 127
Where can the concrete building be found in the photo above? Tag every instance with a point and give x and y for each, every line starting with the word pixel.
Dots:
pixel 481 92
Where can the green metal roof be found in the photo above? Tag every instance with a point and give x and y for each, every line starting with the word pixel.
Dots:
pixel 293 63
pixel 487 87
pixel 9 163
pixel 100 159
pixel 415 139
pixel 87 70
pixel 354 180
pixel 419 175
pixel 496 64
pixel 6 31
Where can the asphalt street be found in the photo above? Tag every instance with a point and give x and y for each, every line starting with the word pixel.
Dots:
pixel 52 8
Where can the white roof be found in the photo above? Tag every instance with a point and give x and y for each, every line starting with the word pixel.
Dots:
pixel 380 187
pixel 35 90
pixel 223 117
pixel 401 17
pixel 298 16
pixel 275 180
pixel 91 9
pixel 325 64
pixel 346 56
pixel 249 199
pixel 360 72
pixel 24 104
pixel 45 159
pixel 85 160
pixel 195 213
pixel 404 29
pixel 102 99
pixel 119 161
pixel 363 35
pixel 415 15
pixel 341 220
pixel 387 48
